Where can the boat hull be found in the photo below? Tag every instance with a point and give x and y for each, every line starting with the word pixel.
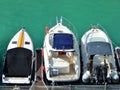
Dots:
pixel 98 58
pixel 58 67
pixel 18 60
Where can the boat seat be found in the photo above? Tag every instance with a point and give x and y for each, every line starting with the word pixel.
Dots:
pixel 98 60
pixel 61 65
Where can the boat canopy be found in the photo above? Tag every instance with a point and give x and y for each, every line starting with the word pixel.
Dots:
pixel 18 62
pixel 63 41
pixel 101 48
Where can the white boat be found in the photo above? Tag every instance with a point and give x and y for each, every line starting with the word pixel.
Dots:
pixel 98 58
pixel 18 60
pixel 61 54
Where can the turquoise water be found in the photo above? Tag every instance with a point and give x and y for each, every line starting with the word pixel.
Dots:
pixel 36 14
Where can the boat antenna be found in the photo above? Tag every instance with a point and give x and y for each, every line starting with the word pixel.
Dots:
pixel 56 19
pixel 61 20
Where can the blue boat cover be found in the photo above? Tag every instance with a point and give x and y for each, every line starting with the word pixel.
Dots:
pixel 101 48
pixel 63 41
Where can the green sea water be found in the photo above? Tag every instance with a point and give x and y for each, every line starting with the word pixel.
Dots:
pixel 36 14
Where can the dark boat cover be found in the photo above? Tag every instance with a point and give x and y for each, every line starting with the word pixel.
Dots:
pixel 101 48
pixel 18 62
pixel 63 41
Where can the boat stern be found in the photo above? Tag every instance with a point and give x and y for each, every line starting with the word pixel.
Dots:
pixel 15 80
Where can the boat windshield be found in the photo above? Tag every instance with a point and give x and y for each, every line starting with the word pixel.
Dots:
pixel 63 41
pixel 101 48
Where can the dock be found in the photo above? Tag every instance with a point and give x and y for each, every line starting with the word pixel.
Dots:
pixel 38 83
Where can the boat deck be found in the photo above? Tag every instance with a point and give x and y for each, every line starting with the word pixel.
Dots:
pixel 68 75
pixel 70 60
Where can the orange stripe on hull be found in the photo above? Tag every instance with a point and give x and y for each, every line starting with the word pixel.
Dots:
pixel 21 39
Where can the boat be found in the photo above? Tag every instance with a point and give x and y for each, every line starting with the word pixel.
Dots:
pixel 98 58
pixel 61 54
pixel 117 53
pixel 18 62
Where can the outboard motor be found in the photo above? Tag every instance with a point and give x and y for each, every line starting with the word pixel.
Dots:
pixel 86 78
pixel 114 77
pixel 100 73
